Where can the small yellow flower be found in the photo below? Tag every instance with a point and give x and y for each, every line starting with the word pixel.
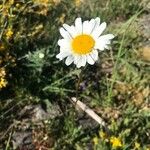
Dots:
pixel 116 142
pixel 11 2
pixel 102 134
pixel 3 83
pixel 95 140
pixel 136 146
pixel 78 3
pixel 2 72
pixel 5 11
pixel 9 33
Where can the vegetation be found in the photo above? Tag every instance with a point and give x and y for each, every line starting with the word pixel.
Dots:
pixel 116 87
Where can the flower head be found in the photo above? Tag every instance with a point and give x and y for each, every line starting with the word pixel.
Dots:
pixel 11 2
pixel 78 2
pixel 103 135
pixel 95 140
pixel 9 33
pixel 3 83
pixel 2 72
pixel 136 146
pixel 81 42
pixel 116 142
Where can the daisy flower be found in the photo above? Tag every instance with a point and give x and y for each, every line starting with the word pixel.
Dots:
pixel 81 42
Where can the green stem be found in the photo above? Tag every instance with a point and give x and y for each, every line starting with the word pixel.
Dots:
pixel 78 84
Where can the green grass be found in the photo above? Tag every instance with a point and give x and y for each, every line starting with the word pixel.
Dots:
pixel 116 87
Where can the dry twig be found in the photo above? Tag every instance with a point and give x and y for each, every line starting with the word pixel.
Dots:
pixel 89 111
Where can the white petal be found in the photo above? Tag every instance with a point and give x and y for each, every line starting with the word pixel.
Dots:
pixel 78 25
pixel 64 43
pixel 94 55
pixel 64 49
pixel 69 60
pixel 83 60
pixel 97 22
pixel 107 47
pixel 98 31
pixel 89 26
pixel 103 41
pixel 62 55
pixel 70 29
pixel 79 61
pixel 79 64
pixel 76 59
pixel 85 26
pixel 64 34
pixel 107 36
pixel 90 60
pixel 101 44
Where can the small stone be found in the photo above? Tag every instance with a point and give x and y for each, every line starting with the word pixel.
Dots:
pixel 22 140
pixel 36 113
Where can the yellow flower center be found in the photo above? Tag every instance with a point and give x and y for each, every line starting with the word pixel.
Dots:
pixel 83 44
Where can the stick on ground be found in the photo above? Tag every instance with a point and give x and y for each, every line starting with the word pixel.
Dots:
pixel 89 111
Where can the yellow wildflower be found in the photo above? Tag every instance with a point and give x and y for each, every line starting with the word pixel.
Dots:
pixel 3 83
pixel 11 2
pixel 102 134
pixel 9 33
pixel 2 72
pixel 78 3
pixel 5 11
pixel 95 140
pixel 136 146
pixel 116 142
